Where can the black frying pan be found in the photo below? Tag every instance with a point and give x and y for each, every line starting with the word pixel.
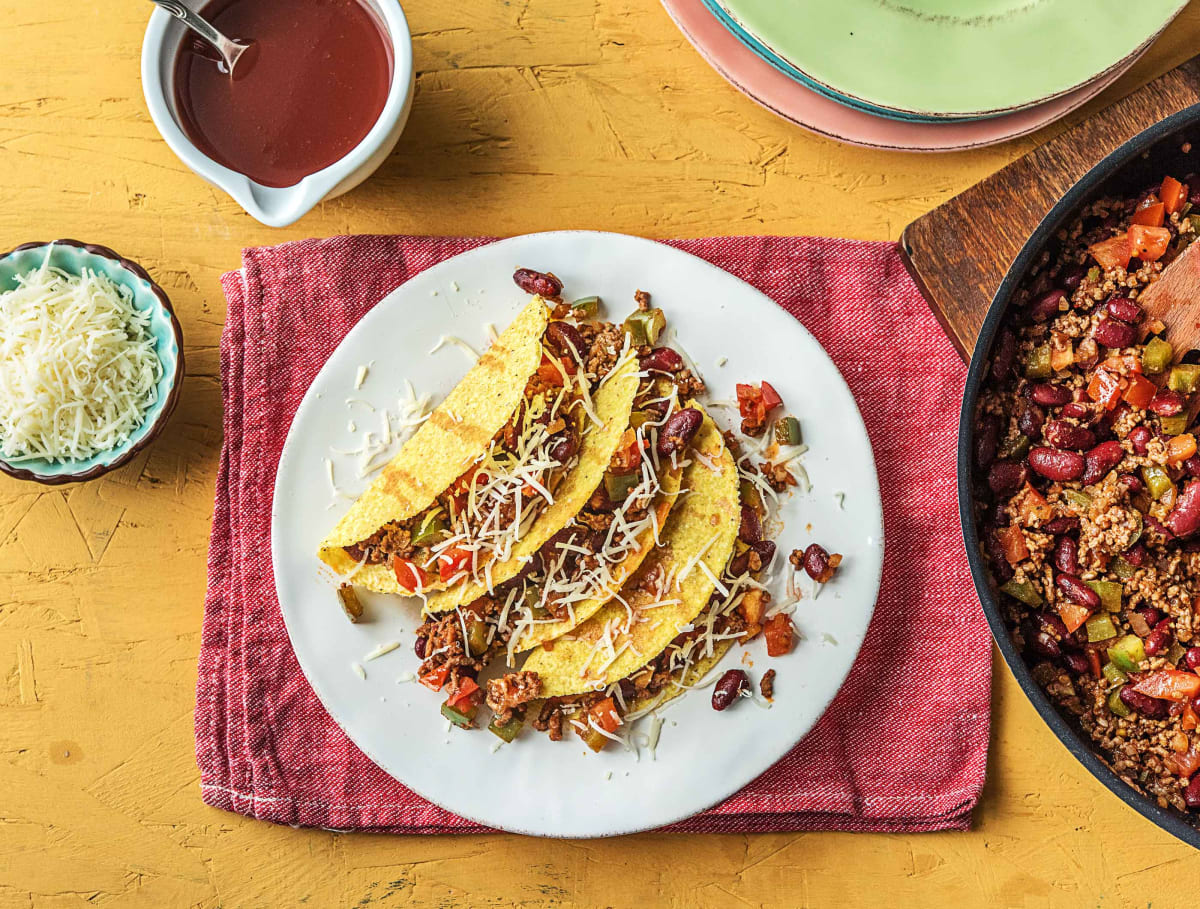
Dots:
pixel 1139 163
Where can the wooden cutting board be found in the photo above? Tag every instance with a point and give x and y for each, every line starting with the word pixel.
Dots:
pixel 958 253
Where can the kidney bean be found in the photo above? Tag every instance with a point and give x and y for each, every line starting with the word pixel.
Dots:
pixel 1136 555
pixel 1070 278
pixel 662 359
pixel 1139 437
pixel 1066 555
pixel 1004 355
pixel 1076 411
pixel 419 648
pixel 1031 420
pixel 1077 591
pixel 1077 663
pixel 1046 306
pixel 1153 524
pixel 1151 615
pixel 818 564
pixel 987 439
pixel 1050 395
pixel 1044 645
pixel 1151 708
pixel 564 449
pixel 1124 309
pixel 1052 464
pixel 1191 795
pixel 1058 526
pixel 1062 434
pixel 536 282
pixel 1000 567
pixel 1052 625
pixel 678 431
pixel 1112 333
pixel 1185 519
pixel 565 340
pixel 729 688
pixel 1159 639
pixel 1100 460
pixel 1192 465
pixel 1192 657
pixel 751 527
pixel 765 550
pixel 1167 403
pixel 1132 482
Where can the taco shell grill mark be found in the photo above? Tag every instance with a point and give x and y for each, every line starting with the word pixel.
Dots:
pixel 443 447
pixel 613 404
pixel 702 527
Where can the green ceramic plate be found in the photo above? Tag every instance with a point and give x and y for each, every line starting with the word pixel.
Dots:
pixel 951 58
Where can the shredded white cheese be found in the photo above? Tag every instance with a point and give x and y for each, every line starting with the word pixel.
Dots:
pixel 381 650
pixel 445 340
pixel 78 367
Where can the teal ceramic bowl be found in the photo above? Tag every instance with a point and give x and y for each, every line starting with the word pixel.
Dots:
pixel 72 256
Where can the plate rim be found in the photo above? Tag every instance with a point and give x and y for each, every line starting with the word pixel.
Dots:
pixel 874 583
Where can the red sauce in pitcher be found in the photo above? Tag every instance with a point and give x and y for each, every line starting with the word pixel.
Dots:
pixel 309 90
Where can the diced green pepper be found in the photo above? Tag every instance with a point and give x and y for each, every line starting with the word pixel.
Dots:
pixel 644 326
pixel 1195 219
pixel 1037 362
pixel 748 494
pixel 1157 481
pixel 1015 448
pixel 464 719
pixel 640 418
pixel 1175 653
pixel 1023 591
pixel 1114 675
pixel 1137 534
pixel 787 431
pixel 477 641
pixel 1173 426
pixel 507 731
pixel 1093 273
pixel 533 602
pixel 1110 593
pixel 1116 705
pixel 587 307
pixel 619 485
pixel 350 603
pixel 431 530
pixel 1184 377
pixel 1156 356
pixel 1127 652
pixel 1100 628
pixel 1122 569
pixel 1080 501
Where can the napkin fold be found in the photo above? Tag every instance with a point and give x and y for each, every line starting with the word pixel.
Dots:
pixel 903 747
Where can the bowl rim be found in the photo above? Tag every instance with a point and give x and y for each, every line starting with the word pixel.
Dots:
pixel 155 429
pixel 1170 820
pixel 304 195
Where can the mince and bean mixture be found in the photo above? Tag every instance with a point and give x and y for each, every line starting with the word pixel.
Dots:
pixel 1088 489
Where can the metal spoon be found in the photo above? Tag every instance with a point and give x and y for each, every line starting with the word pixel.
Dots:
pixel 229 49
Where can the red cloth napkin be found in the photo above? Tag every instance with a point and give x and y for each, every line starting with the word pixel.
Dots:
pixel 902 748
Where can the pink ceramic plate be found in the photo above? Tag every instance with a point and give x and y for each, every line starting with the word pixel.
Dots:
pixel 775 91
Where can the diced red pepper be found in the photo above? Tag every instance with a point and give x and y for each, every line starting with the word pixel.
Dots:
pixel 1112 252
pixel 466 693
pixel 1073 615
pixel 1093 659
pixel 549 373
pixel 628 456
pixel 750 404
pixel 1189 720
pixel 1148 243
pixel 780 635
pixel 1125 364
pixel 435 678
pixel 409 575
pixel 1012 541
pixel 1140 393
pixel 1149 212
pixel 604 714
pixel 1186 764
pixel 1169 685
pixel 1030 507
pixel 1173 194
pixel 452 561
pixel 770 396
pixel 1105 388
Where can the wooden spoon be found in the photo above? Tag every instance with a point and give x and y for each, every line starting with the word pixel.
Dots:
pixel 1174 300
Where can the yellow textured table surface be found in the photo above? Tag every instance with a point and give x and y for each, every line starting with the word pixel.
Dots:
pixel 528 115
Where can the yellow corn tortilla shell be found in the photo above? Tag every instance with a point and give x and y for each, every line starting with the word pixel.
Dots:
pixel 443 447
pixel 705 520
pixel 585 609
pixel 613 404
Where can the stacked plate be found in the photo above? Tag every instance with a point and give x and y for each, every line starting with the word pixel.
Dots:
pixel 921 74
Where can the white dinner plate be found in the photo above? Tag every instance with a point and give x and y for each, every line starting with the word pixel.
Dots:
pixel 561 788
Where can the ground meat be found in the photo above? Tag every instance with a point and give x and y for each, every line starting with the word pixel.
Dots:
pixel 688 385
pixel 383 545
pixel 550 719
pixel 642 298
pixel 595 520
pixel 506 694
pixel 444 648
pixel 778 477
pixel 604 350
pixel 752 425
pixel 766 685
